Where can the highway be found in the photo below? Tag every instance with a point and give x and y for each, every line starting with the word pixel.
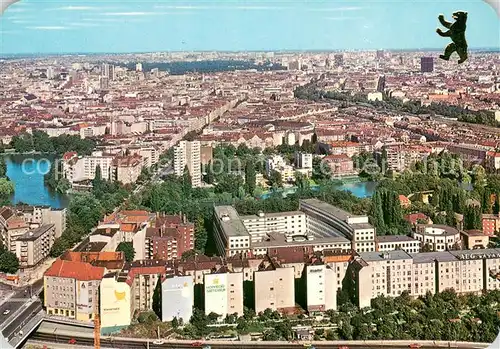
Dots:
pixel 21 319
pixel 21 296
pixel 126 344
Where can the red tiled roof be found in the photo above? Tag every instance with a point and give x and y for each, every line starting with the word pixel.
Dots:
pixel 75 270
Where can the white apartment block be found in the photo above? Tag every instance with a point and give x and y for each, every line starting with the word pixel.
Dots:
pixel 438 237
pixel 391 273
pixel 324 220
pixel 231 235
pixel 82 168
pixel 258 226
pixel 277 163
pixel 397 242
pixel 224 293
pixel 188 154
pixel 322 288
pixel 303 160
pixel 275 289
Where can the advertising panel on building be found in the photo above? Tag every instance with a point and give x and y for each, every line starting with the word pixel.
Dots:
pixel 177 298
pixel 216 293
pixel 115 303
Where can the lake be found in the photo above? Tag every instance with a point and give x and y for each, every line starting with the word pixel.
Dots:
pixel 359 189
pixel 27 172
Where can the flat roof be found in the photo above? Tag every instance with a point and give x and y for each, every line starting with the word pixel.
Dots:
pixel 278 240
pixel 477 254
pixel 446 229
pixel 233 226
pixel 395 238
pixel 35 233
pixel 274 214
pixel 324 206
pixel 379 256
pixel 429 257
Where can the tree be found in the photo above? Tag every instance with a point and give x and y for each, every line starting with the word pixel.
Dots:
pixel 250 177
pixel 8 262
pixel 321 171
pixel 275 179
pixel 186 182
pixel 200 234
pixel 128 250
pixel 472 217
pixel 175 323
pixel 3 167
pixel 6 190
pixel 478 176
pixel 156 305
pixel 301 181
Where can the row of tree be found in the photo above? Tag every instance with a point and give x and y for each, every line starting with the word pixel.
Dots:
pixel 41 142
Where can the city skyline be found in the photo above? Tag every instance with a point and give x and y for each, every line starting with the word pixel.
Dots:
pixel 58 27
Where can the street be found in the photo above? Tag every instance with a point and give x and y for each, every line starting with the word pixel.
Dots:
pixel 20 297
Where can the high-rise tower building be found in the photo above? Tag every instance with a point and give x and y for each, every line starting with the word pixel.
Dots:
pixel 188 154
pixel 427 64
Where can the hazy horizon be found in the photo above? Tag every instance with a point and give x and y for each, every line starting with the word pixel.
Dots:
pixel 119 27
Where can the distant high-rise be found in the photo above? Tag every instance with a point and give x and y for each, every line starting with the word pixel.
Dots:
pixel 339 59
pixel 50 73
pixel 138 67
pixel 381 83
pixel 111 72
pixel 104 82
pixel 295 65
pixel 426 64
pixel 188 154
pixel 380 54
pixel 105 70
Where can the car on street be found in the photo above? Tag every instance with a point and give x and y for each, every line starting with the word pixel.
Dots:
pixel 196 344
pixel 72 341
pixel 6 312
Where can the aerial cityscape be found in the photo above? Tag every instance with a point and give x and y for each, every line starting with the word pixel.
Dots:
pixel 248 174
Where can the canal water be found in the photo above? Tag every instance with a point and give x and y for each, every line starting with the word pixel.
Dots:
pixel 27 172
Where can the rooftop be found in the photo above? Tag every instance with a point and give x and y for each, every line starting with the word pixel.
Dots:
pixel 379 256
pixel 36 233
pixel 335 211
pixel 275 239
pixel 230 221
pixel 394 238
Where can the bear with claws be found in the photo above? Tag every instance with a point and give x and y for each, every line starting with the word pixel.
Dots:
pixel 456 33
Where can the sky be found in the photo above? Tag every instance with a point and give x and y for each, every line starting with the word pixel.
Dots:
pixel 117 26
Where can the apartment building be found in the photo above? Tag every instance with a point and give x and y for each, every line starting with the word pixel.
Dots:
pixel 76 169
pixel 231 235
pixel 321 281
pixel 492 161
pixel 70 288
pixel 179 291
pixel 170 237
pixel 188 154
pixel 437 237
pixel 274 287
pixel 143 277
pixel 323 219
pixel 491 224
pixel 282 222
pixel 34 246
pixel 391 273
pixel 37 215
pixel 303 160
pixel 397 242
pixel 224 293
pixel 126 169
pixel 340 165
pixel 277 163
pixel 12 226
